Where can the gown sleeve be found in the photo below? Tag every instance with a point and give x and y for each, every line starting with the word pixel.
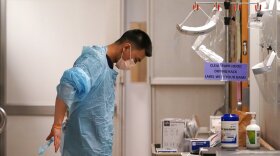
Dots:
pixel 74 86
pixel 76 82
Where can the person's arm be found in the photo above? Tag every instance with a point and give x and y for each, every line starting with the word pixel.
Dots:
pixel 60 110
pixel 74 85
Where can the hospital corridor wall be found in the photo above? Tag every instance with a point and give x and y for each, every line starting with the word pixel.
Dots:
pixel 39 40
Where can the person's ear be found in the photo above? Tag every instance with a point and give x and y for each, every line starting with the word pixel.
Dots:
pixel 127 46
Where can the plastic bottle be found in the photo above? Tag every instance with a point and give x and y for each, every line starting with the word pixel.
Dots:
pixel 253 133
pixel 45 146
pixel 229 127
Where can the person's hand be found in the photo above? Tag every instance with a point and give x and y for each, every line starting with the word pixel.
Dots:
pixel 56 133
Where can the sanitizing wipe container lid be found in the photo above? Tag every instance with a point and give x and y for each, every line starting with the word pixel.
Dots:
pixel 230 117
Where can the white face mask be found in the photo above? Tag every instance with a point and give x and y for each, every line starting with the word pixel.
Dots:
pixel 125 65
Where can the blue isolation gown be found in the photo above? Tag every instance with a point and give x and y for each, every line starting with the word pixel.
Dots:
pixel 88 91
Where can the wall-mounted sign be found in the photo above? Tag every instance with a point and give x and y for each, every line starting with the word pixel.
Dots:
pixel 225 71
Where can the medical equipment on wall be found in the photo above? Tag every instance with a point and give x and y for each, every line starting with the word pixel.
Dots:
pixel 208 27
pixel 264 66
pixel 255 21
pixel 203 32
pixel 203 52
pixel 208 55
pixel 262 10
pixel 267 5
pixel 265 71
pixel 264 75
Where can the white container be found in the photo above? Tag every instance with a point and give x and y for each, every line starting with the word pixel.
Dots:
pixel 253 133
pixel 229 131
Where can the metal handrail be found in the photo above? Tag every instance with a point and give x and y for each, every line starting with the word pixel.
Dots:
pixel 3 120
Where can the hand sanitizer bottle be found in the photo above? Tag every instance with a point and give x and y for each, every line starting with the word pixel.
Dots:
pixel 253 133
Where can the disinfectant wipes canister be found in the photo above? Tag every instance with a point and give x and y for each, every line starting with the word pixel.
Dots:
pixel 229 127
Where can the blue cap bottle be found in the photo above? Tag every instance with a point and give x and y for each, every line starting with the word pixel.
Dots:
pixel 229 130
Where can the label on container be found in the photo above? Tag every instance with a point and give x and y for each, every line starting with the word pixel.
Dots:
pixel 253 137
pixel 197 144
pixel 229 132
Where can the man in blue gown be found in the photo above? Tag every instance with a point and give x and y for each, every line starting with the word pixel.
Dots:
pixel 86 92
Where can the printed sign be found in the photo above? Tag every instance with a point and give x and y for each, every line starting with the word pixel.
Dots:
pixel 225 71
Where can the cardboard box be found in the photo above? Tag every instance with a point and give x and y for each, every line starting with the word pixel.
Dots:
pixel 172 132
pixel 215 124
pixel 196 144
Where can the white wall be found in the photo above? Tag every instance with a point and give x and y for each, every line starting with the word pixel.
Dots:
pixel 136 10
pixel 254 59
pixel 25 134
pixel 264 100
pixel 44 37
pixel 138 109
pixel 138 120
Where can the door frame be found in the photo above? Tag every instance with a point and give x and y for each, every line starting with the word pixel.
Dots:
pixel 2 68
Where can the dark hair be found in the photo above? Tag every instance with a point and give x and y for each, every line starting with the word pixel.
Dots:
pixel 139 38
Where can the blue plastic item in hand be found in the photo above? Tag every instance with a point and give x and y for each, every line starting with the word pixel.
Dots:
pixel 45 146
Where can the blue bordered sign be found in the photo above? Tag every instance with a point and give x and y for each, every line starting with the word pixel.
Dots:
pixel 225 71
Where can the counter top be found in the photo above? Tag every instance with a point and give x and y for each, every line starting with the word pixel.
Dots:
pixel 224 152
pixel 218 151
